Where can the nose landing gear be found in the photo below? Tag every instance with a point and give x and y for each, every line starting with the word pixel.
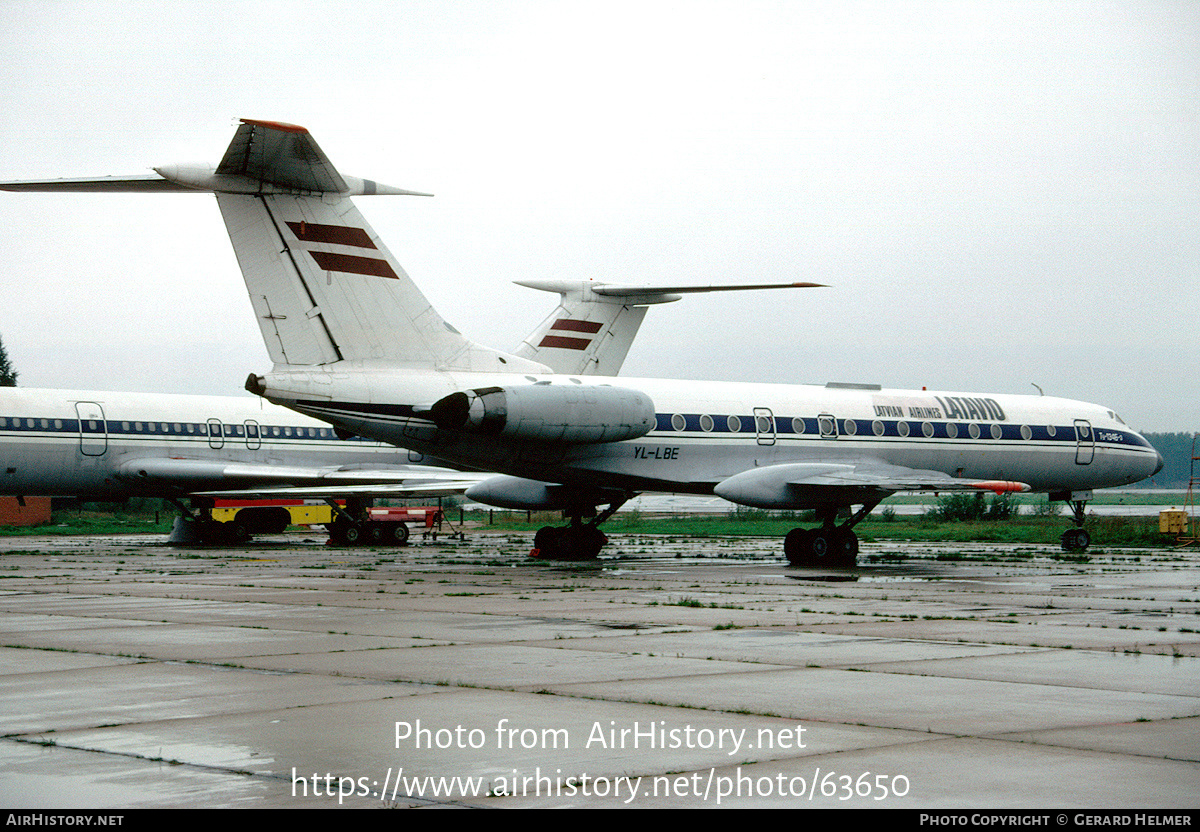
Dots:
pixel 1076 539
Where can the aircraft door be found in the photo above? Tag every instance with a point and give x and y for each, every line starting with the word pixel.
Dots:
pixel 1085 442
pixel 253 435
pixel 216 436
pixel 93 430
pixel 764 425
pixel 827 426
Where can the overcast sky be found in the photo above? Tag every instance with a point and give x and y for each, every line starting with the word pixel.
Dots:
pixel 998 194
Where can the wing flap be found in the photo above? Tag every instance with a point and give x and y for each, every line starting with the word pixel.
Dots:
pixel 208 476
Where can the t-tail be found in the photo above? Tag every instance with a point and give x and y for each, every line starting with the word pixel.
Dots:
pixel 593 327
pixel 324 288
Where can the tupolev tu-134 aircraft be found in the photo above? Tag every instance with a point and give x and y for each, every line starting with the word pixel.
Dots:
pixel 356 344
pixel 111 445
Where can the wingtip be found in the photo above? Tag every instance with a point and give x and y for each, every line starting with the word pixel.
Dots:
pixel 274 125
pixel 1002 486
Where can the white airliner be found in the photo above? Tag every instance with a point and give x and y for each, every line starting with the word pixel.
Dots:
pixel 107 445
pixel 357 345
pixel 112 446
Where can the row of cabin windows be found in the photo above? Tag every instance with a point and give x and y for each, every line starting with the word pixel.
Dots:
pixel 175 428
pixel 827 426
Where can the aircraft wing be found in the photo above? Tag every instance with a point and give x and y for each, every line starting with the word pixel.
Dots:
pixel 415 489
pixel 800 484
pixel 214 477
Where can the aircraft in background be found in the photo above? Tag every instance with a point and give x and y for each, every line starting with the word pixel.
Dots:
pixel 112 446
pixel 356 344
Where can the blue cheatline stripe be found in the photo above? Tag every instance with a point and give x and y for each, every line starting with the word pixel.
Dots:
pixel 784 425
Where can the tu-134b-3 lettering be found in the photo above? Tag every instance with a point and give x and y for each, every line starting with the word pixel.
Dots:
pixel 356 344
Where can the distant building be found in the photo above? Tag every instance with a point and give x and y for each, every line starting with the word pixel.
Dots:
pixel 36 510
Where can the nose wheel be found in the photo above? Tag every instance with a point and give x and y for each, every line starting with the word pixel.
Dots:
pixel 1076 539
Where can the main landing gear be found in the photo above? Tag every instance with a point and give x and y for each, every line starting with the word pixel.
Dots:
pixel 1076 539
pixel 829 545
pixel 352 526
pixel 196 524
pixel 578 541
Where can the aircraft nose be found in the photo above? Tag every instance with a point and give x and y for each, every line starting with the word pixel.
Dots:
pixel 1159 466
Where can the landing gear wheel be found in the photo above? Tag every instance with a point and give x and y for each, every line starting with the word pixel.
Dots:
pixel 237 532
pixel 209 531
pixel 396 534
pixel 545 542
pixel 820 544
pixel 844 547
pixel 796 547
pixel 821 547
pixel 568 543
pixel 1076 540
pixel 337 531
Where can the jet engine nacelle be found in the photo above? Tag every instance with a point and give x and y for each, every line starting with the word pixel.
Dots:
pixel 549 413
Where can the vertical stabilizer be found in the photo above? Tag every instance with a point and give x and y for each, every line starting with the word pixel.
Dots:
pixel 587 334
pixel 323 286
pixel 325 289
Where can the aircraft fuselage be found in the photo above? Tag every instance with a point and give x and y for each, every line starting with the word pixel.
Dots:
pixel 705 432
pixel 79 443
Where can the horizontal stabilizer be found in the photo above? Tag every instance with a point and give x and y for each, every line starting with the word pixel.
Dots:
pixel 146 183
pixel 265 157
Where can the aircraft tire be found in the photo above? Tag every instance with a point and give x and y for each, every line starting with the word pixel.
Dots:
pixel 569 543
pixel 375 533
pixel 796 547
pixel 237 532
pixel 844 547
pixel 545 542
pixel 337 532
pixel 397 534
pixel 209 531
pixel 1076 540
pixel 820 547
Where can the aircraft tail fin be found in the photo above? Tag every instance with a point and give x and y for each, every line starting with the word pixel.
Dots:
pixel 323 286
pixel 592 329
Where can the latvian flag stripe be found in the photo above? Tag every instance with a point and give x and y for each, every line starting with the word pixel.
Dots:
pixel 313 232
pixel 576 326
pixel 349 263
pixel 565 343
